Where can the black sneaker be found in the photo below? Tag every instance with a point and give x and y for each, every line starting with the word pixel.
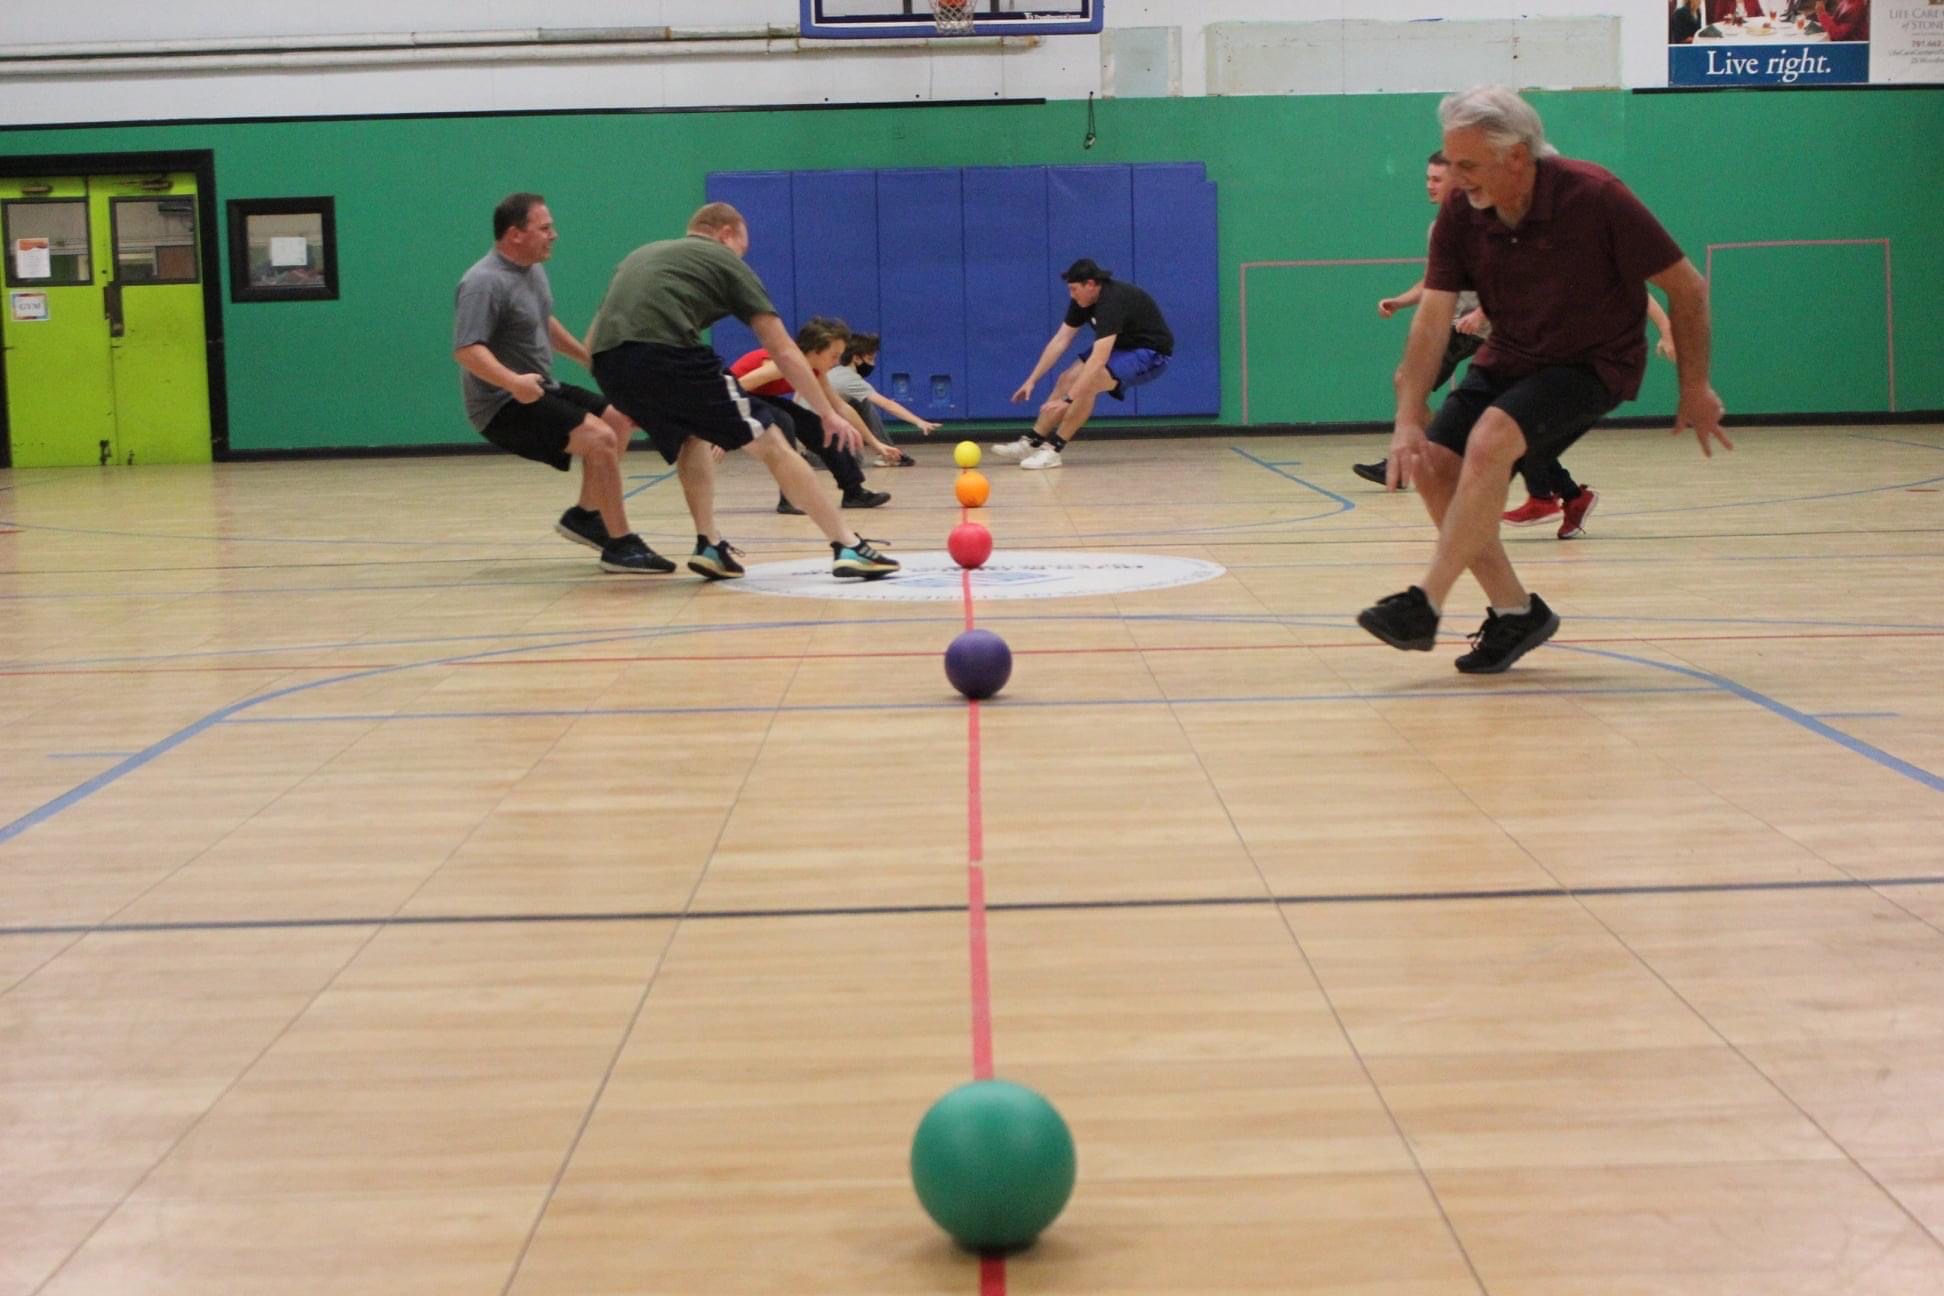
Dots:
pixel 865 498
pixel 583 526
pixel 631 555
pixel 715 561
pixel 1502 640
pixel 860 561
pixel 1403 620
pixel 1371 472
pixel 784 506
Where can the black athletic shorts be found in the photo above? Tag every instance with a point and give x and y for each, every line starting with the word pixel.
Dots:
pixel 539 431
pixel 1457 350
pixel 676 393
pixel 1553 407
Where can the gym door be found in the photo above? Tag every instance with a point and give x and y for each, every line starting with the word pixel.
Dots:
pixel 106 356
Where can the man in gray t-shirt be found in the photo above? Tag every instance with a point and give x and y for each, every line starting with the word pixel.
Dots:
pixel 504 335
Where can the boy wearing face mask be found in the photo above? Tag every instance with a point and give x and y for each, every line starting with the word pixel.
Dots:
pixel 848 381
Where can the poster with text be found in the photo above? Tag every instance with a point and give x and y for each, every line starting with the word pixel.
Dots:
pixel 1909 42
pixel 1768 42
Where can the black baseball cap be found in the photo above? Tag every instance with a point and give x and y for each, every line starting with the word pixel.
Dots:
pixel 1084 269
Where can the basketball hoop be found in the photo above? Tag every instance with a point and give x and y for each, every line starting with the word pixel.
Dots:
pixel 953 17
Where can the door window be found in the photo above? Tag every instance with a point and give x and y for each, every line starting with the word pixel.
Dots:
pixel 155 240
pixel 47 241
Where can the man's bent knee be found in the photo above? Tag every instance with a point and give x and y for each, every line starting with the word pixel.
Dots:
pixel 1439 462
pixel 595 438
pixel 1496 439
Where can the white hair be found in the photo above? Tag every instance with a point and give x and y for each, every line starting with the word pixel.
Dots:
pixel 1505 118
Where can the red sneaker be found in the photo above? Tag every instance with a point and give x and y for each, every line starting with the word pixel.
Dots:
pixel 1573 524
pixel 1536 509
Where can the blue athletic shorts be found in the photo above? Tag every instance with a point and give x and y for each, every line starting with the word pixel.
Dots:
pixel 1133 368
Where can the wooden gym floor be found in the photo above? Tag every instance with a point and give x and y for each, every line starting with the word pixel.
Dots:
pixel 390 903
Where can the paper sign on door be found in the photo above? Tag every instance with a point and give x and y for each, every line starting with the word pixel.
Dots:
pixel 28 306
pixel 33 259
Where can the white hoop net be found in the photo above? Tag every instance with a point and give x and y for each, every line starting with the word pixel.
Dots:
pixel 953 17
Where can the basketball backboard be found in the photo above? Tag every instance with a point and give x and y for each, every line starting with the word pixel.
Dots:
pixel 863 19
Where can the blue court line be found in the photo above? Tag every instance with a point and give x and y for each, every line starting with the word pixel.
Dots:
pixel 1790 499
pixel 613 632
pixel 281 590
pixel 117 771
pixel 1921 445
pixel 954 704
pixel 217 539
pixel 1303 620
pixel 165 745
pixel 1895 764
pixel 1343 502
pixel 591 580
pixel 1607 560
pixel 656 480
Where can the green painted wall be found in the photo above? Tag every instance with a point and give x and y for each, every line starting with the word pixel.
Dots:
pixel 1798 330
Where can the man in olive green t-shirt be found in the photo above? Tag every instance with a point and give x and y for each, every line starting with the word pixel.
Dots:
pixel 650 361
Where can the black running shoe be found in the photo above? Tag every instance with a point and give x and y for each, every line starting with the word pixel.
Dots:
pixel 583 526
pixel 1371 472
pixel 630 555
pixel 1502 640
pixel 1403 620
pixel 715 561
pixel 864 497
pixel 860 561
pixel 784 506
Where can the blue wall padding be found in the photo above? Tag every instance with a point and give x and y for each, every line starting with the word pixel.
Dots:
pixel 763 197
pixel 921 291
pixel 1090 213
pixel 959 269
pixel 1175 259
pixel 1005 284
pixel 836 238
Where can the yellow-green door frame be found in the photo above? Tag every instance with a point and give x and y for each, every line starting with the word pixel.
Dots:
pixel 202 164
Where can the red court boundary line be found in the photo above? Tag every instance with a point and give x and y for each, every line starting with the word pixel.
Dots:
pixel 1242 284
pixel 1026 652
pixel 1889 309
pixel 992 1269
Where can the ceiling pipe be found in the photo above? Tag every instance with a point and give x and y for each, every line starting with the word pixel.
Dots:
pixel 531 42
pixel 219 64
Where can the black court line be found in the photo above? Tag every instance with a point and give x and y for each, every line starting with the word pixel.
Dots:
pixel 1016 906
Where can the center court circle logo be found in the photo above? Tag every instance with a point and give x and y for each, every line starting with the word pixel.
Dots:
pixel 1014 574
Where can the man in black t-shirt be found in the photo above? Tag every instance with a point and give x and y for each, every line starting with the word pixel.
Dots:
pixel 1132 345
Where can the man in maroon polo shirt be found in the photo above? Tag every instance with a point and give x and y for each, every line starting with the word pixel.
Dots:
pixel 1559 253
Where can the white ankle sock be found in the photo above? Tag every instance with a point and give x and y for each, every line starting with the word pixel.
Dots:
pixel 1521 610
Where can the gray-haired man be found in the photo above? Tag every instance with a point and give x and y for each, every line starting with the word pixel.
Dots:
pixel 1560 253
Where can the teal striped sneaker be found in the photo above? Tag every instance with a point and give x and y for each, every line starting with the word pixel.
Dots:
pixel 860 561
pixel 715 561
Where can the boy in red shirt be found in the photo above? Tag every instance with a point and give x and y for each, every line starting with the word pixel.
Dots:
pixel 822 343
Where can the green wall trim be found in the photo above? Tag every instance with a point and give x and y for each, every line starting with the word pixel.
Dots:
pixel 1800 330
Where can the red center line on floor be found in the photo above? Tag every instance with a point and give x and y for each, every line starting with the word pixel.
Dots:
pixel 992 1269
pixel 1298 646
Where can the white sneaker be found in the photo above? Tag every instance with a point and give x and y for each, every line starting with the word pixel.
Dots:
pixel 1044 457
pixel 1013 451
